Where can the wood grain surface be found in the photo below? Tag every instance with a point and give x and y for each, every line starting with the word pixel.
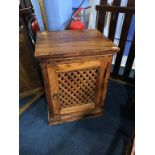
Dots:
pixel 72 43
pixel 76 68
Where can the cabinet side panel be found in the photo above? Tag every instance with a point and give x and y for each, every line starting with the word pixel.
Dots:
pixel 100 80
pixel 106 78
pixel 47 89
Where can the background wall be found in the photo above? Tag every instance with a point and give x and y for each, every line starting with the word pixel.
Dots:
pixel 37 10
pixel 57 12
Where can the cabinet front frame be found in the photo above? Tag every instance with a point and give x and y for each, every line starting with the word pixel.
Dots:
pixel 50 73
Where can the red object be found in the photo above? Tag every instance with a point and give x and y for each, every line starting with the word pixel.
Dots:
pixel 35 26
pixel 77 25
pixel 76 14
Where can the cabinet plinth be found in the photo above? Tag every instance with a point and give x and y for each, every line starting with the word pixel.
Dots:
pixel 75 67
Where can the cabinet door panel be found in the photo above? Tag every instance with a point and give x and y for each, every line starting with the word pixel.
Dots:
pixel 77 86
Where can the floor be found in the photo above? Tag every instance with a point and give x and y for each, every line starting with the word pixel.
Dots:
pixel 104 135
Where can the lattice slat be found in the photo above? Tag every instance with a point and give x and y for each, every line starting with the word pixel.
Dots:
pixel 77 87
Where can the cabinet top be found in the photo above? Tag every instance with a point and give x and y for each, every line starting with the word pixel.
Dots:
pixel 72 43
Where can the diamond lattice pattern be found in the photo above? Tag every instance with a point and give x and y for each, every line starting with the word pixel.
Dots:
pixel 77 87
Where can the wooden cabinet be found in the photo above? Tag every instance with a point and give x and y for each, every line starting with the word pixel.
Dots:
pixel 75 67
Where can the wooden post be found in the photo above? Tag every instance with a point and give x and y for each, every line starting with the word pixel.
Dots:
pixel 43 14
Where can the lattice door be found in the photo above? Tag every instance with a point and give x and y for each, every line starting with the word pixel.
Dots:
pixel 77 87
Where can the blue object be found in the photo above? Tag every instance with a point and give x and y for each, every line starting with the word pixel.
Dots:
pixel 130 36
pixel 37 10
pixel 57 13
pixel 76 3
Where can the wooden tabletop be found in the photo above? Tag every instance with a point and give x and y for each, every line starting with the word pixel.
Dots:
pixel 72 43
